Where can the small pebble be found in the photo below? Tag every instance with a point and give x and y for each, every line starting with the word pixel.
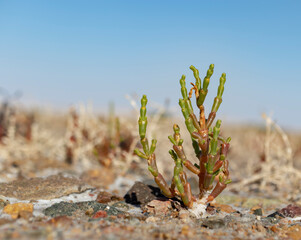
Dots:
pixel 17 210
pixel 152 219
pixel 100 214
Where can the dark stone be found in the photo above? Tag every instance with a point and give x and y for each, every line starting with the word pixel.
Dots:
pixel 84 206
pixel 67 209
pixel 276 215
pixel 141 194
pixel 257 212
pixel 60 209
pixel 214 222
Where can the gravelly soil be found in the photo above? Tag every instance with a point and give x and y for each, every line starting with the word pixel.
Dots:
pixel 143 214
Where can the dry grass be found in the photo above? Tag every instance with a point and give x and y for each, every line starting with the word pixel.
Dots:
pixel 277 168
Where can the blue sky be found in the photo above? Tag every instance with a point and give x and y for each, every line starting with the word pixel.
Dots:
pixel 61 53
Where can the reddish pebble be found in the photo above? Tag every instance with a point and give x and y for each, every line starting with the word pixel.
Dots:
pixel 274 229
pixel 100 214
pixel 291 211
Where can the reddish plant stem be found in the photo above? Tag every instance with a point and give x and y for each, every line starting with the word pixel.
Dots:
pixel 163 186
pixel 180 152
pixel 216 191
pixel 207 181
pixel 187 196
pixel 201 175
pixel 218 165
pixel 210 119
pixel 202 117
pixel 159 179
pixel 225 148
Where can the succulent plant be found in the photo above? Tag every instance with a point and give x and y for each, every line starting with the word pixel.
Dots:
pixel 209 146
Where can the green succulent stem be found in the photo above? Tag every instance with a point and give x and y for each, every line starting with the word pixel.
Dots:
pixel 204 90
pixel 198 81
pixel 153 146
pixel 148 152
pixel 180 180
pixel 210 147
pixel 145 146
pixel 186 99
pixel 142 119
pixel 140 154
pixel 188 121
pixel 218 99
pixel 228 181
